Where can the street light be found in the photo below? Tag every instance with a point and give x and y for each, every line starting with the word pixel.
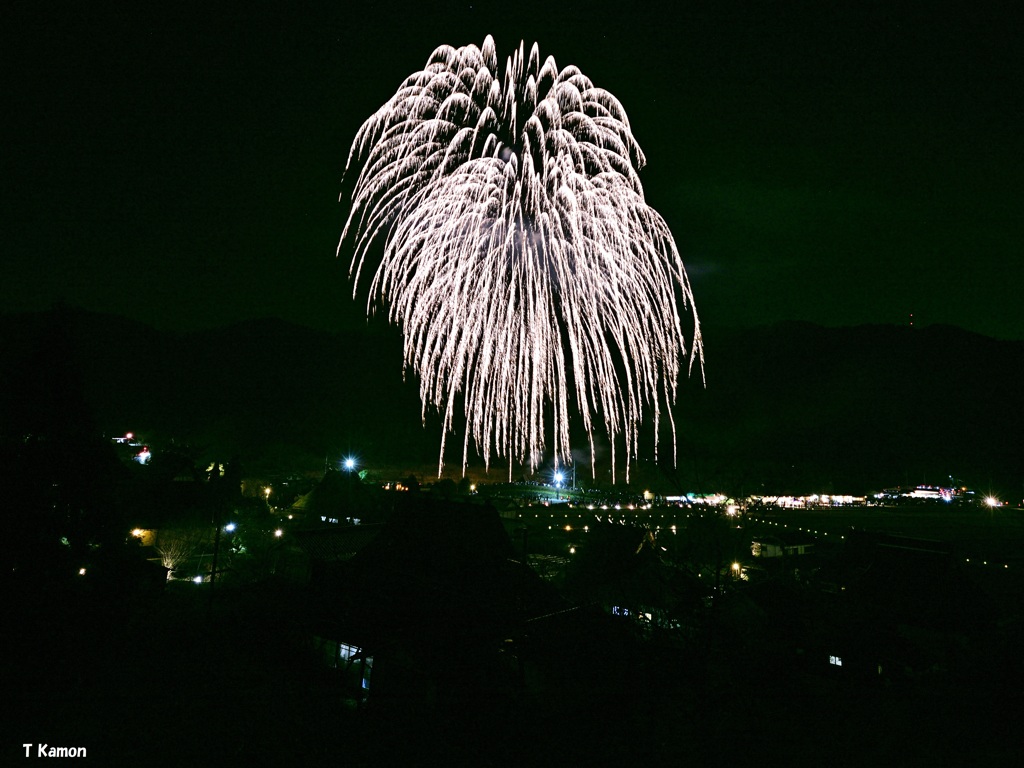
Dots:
pixel 349 463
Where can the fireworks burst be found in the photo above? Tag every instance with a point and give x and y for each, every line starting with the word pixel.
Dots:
pixel 528 274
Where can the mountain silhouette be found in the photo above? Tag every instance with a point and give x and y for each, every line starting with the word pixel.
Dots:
pixel 787 408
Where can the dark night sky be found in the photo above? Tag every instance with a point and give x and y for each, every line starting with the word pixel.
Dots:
pixel 840 163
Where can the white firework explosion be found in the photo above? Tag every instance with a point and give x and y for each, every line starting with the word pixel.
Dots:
pixel 520 259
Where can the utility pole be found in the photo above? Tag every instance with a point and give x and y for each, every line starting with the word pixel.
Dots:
pixel 216 551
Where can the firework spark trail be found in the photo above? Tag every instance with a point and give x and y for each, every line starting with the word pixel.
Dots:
pixel 519 253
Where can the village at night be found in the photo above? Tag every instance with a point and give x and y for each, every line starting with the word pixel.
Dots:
pixel 402 384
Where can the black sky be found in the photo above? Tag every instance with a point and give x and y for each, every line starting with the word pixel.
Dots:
pixel 840 163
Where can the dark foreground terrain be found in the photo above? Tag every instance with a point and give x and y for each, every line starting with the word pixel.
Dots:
pixel 180 678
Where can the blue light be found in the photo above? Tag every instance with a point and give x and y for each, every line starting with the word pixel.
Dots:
pixel 349 464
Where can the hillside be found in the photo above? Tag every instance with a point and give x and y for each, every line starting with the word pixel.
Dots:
pixel 802 408
pixel 787 408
